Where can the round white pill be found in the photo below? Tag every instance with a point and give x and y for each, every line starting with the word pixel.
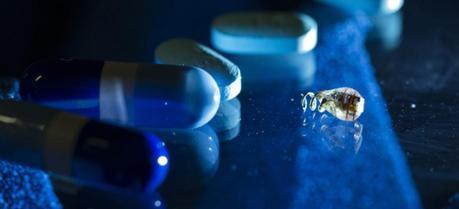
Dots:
pixel 264 33
pixel 187 52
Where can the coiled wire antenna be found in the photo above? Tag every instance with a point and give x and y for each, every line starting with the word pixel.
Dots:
pixel 310 100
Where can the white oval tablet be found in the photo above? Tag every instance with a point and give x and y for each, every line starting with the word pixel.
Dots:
pixel 182 51
pixel 264 33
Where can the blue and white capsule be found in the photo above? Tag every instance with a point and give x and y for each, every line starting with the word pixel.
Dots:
pixel 141 95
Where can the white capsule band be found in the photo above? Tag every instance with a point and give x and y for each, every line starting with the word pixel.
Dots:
pixel 116 91
pixel 60 137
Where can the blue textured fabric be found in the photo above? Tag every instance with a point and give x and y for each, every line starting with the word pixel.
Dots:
pixel 23 187
pixel 378 176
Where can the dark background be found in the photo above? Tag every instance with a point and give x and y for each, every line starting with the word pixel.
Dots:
pixel 33 30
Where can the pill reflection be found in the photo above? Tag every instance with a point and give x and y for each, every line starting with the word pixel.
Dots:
pixel 193 157
pixel 227 120
pixel 335 135
pixel 73 195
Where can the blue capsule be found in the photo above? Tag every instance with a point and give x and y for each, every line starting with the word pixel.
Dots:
pixel 150 95
pixel 89 151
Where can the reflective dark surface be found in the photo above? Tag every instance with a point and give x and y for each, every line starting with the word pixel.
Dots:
pixel 284 159
pixel 402 152
pixel 419 80
pixel 281 158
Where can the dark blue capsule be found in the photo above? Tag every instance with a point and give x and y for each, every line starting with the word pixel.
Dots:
pixel 89 151
pixel 141 95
